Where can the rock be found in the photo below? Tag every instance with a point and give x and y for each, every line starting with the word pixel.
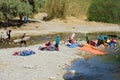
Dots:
pixel 72 71
pixel 52 78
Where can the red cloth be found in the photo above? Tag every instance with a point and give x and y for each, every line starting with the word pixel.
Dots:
pixel 48 44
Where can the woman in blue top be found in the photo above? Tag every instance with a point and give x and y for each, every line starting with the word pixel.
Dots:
pixel 99 39
pixel 57 43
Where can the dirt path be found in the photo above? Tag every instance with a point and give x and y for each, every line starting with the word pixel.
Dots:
pixel 70 25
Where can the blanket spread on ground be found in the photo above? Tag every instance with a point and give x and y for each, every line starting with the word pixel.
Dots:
pixel 24 53
pixel 91 49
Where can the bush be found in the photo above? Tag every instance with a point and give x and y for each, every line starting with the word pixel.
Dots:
pixel 104 11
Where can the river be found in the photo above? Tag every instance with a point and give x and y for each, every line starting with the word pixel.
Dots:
pixel 103 67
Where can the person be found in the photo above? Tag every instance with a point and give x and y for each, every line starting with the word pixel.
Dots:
pixel 8 34
pixel 22 40
pixel 3 37
pixel 71 38
pixel 49 46
pixel 100 39
pixel 87 39
pixel 112 43
pixel 57 43
pixel 26 19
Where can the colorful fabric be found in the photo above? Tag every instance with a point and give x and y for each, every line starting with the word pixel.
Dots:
pixel 91 49
pixel 24 53
pixel 73 45
pixel 93 43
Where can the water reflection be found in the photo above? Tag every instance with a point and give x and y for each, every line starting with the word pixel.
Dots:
pixel 94 68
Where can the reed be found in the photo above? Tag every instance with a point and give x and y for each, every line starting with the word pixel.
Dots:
pixel 64 8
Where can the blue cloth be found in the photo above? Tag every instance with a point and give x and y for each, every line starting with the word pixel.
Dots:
pixel 112 43
pixel 74 45
pixel 102 37
pixel 27 53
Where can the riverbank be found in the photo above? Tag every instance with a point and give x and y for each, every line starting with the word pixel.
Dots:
pixel 44 65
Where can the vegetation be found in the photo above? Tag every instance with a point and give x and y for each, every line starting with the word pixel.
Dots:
pixel 96 10
pixel 105 11
pixel 63 8
pixel 9 9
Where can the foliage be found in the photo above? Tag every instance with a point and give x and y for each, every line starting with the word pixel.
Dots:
pixel 63 8
pixel 36 5
pixel 105 11
pixel 9 9
pixel 24 9
pixel 55 8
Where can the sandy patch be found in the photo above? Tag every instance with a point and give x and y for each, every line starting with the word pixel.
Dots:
pixel 71 24
pixel 43 65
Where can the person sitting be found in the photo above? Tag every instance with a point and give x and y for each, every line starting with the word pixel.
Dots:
pixel 112 43
pixel 101 39
pixel 71 38
pixel 48 46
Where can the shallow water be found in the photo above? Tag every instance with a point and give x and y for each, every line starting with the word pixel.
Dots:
pixel 94 68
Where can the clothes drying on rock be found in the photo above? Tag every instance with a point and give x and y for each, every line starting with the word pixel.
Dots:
pixel 24 53
pixel 73 45
pixel 91 49
pixel 50 48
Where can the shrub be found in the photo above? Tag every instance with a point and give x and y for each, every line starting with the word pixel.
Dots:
pixel 104 11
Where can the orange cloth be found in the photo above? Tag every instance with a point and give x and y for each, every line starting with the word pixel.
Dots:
pixel 91 49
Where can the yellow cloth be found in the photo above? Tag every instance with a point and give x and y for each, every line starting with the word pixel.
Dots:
pixel 108 41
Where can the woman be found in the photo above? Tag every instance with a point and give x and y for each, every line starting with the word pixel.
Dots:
pixel 57 43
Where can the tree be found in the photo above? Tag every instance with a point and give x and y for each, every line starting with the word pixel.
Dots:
pixel 36 5
pixel 7 9
pixel 105 11
pixel 24 9
pixel 13 8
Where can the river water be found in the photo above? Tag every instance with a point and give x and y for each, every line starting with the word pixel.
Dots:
pixel 95 68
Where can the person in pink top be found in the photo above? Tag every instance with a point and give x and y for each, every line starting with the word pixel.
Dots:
pixel 112 42
pixel 71 38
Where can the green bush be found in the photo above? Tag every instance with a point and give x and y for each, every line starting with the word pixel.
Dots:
pixel 104 11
